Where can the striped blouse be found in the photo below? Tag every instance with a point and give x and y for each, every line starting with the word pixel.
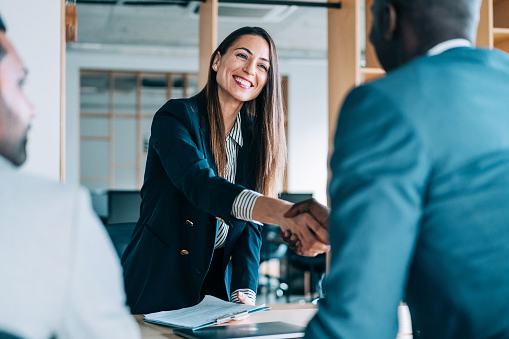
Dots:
pixel 243 204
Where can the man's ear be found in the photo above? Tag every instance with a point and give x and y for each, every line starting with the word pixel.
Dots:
pixel 389 21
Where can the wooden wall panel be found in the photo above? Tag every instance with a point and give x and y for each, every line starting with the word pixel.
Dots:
pixel 208 38
pixel 485 29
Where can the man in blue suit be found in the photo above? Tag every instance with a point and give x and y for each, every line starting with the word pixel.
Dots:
pixel 420 187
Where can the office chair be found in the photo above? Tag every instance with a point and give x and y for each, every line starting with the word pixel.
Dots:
pixel 313 269
pixel 120 235
pixel 272 248
pixel 5 335
pixel 309 270
pixel 100 204
pixel 123 206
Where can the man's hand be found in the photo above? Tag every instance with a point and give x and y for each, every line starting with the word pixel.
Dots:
pixel 318 211
pixel 290 239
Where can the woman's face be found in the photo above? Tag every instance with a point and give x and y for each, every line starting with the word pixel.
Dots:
pixel 243 70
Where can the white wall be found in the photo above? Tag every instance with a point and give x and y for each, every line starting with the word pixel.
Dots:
pixel 307 126
pixel 33 26
pixel 308 114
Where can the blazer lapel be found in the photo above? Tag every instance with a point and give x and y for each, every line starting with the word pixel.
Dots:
pixel 245 171
pixel 205 131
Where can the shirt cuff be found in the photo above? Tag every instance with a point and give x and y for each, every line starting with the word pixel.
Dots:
pixel 247 291
pixel 243 205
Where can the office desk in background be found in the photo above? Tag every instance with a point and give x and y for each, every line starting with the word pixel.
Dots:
pixel 297 314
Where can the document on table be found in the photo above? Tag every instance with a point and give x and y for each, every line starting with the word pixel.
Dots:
pixel 208 312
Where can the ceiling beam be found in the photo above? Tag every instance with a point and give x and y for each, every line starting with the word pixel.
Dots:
pixel 137 2
pixel 286 3
pixel 330 5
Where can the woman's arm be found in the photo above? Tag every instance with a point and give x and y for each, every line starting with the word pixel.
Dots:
pixel 246 262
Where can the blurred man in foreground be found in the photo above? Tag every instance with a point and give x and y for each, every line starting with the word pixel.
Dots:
pixel 59 274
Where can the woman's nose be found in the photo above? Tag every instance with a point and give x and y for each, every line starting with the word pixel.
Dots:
pixel 249 68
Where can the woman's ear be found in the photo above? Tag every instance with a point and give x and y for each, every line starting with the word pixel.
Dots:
pixel 217 61
pixel 390 21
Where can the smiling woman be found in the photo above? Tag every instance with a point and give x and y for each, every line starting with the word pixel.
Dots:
pixel 241 67
pixel 210 159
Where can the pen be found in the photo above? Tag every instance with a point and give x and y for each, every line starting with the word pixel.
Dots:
pixel 230 317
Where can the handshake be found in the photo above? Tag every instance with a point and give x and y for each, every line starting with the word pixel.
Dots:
pixel 304 225
pixel 307 233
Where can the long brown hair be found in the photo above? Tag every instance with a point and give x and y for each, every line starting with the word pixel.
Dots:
pixel 268 149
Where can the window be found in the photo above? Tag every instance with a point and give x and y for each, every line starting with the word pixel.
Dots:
pixel 116 111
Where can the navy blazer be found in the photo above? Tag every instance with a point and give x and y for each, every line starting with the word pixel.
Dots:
pixel 172 245
pixel 420 202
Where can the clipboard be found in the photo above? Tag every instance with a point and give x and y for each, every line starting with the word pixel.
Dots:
pixel 210 311
pixel 272 330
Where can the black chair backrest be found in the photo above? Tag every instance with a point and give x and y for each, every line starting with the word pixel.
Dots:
pixel 123 206
pixel 120 235
pixel 295 197
pixel 5 335
pixel 100 203
pixel 272 246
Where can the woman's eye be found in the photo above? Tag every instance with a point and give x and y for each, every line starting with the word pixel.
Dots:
pixel 242 56
pixel 265 68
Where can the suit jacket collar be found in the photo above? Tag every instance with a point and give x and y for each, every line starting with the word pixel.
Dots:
pixel 245 173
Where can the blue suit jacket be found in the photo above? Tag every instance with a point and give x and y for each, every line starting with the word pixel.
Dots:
pixel 173 243
pixel 420 202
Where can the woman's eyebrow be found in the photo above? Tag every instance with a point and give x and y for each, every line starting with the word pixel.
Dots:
pixel 251 53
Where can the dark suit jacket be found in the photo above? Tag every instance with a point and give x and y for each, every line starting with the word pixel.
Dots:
pixel 173 243
pixel 420 202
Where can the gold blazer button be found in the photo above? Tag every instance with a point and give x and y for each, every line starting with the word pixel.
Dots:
pixel 184 252
pixel 189 223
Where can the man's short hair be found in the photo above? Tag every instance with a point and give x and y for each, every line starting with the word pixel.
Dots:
pixel 431 16
pixel 2 48
pixel 3 52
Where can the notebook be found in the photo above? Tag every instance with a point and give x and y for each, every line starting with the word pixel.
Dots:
pixel 272 330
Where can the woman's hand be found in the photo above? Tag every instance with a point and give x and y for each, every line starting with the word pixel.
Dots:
pixel 243 298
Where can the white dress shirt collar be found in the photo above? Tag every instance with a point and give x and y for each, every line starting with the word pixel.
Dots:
pixel 236 132
pixel 448 44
